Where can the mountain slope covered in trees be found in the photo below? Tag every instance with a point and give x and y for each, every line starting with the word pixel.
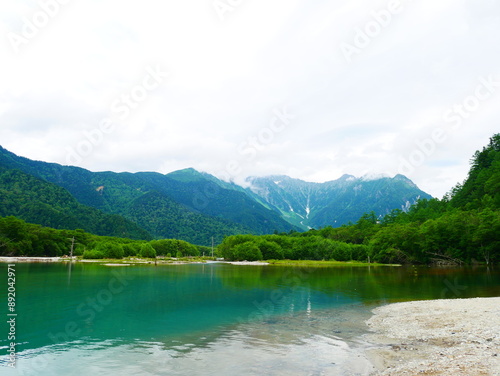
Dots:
pixel 40 202
pixel 186 204
pixel 197 206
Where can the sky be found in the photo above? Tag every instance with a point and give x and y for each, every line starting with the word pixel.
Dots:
pixel 238 88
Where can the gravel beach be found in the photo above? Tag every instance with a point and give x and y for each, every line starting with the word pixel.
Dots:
pixel 436 337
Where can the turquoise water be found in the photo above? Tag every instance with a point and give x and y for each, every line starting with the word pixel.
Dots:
pixel 210 319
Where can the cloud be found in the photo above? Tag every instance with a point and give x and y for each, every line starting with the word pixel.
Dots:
pixel 228 76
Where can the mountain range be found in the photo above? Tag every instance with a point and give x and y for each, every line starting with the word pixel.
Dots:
pixel 188 204
pixel 337 202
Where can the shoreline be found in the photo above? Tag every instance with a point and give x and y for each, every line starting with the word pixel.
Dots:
pixel 182 261
pixel 15 259
pixel 436 337
pixel 122 262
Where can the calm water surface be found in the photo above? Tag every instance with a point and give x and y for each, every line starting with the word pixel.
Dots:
pixel 212 319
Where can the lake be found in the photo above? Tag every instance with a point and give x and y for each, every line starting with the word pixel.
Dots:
pixel 210 319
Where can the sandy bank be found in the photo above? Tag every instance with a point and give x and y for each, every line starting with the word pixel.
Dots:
pixel 247 263
pixel 437 337
pixel 32 259
pixel 121 262
pixel 116 264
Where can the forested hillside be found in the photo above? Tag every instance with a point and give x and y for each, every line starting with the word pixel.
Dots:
pixel 187 204
pixel 463 227
pixel 273 203
pixel 38 201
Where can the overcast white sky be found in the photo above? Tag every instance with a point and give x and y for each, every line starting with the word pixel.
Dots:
pixel 358 83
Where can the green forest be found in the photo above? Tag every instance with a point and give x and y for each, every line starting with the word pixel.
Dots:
pixel 37 201
pixel 461 228
pixel 19 238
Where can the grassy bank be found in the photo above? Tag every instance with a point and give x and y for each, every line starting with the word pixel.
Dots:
pixel 324 263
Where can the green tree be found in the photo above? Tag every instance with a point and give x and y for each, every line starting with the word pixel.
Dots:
pixel 110 250
pixel 270 250
pixel 226 248
pixel 93 254
pixel 147 251
pixel 248 251
pixel 486 237
pixel 131 249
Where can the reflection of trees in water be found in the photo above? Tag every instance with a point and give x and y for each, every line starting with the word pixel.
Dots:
pixel 370 284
